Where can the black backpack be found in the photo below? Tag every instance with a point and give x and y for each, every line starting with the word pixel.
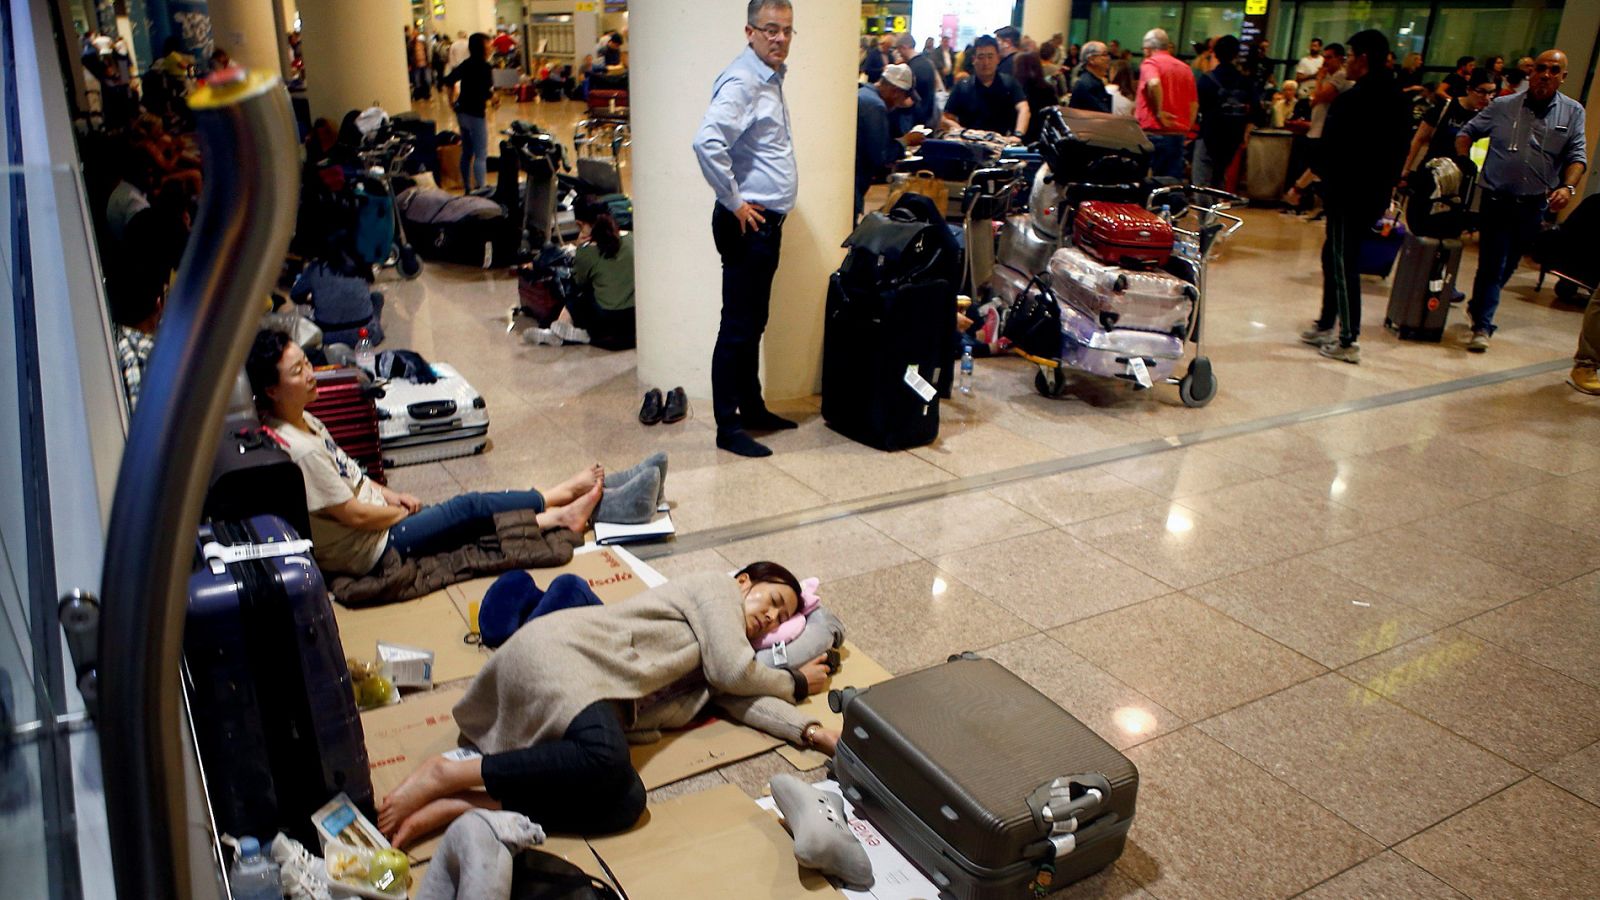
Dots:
pixel 537 875
pixel 887 251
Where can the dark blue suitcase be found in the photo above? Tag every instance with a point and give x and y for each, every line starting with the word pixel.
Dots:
pixel 1379 251
pixel 272 703
pixel 950 160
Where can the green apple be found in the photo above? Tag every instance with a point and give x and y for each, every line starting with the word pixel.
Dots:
pixel 389 871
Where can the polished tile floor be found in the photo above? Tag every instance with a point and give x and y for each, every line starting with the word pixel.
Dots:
pixel 1353 655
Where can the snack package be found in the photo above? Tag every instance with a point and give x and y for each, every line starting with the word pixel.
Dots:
pixel 406 667
pixel 372 684
pixel 378 874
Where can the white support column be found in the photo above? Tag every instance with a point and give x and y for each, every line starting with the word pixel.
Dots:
pixel 248 30
pixel 678 272
pixel 1042 18
pixel 355 55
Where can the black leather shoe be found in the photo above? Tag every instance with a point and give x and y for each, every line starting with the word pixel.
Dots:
pixel 650 413
pixel 677 406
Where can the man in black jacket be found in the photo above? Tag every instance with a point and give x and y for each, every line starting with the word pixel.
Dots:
pixel 1363 148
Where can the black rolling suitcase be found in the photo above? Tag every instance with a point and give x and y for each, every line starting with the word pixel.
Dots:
pixel 254 476
pixel 889 325
pixel 1424 282
pixel 271 699
pixel 984 783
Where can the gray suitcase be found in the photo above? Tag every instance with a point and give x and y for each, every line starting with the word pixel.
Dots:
pixel 1110 352
pixel 984 783
pixel 1142 300
pixel 1424 282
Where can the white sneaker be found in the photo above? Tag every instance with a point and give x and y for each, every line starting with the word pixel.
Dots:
pixel 303 876
pixel 543 337
pixel 569 332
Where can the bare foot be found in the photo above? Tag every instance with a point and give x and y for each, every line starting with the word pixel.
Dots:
pixel 427 783
pixel 574 515
pixel 437 816
pixel 576 486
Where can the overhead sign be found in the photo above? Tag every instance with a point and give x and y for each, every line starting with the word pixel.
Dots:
pixel 900 23
pixel 1255 7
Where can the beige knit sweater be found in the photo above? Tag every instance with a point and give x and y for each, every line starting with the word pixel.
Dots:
pixel 554 667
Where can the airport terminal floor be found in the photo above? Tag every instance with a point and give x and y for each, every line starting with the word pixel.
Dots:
pixel 1343 618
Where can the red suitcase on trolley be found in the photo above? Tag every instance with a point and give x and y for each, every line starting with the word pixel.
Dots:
pixel 344 405
pixel 1123 234
pixel 602 100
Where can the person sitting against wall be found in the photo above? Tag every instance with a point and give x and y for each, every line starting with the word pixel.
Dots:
pixel 354 519
pixel 555 709
pixel 600 311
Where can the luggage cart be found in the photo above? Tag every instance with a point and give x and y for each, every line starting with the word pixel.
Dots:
pixel 1198 226
pixel 383 158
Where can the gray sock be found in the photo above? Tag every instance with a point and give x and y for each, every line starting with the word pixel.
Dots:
pixel 475 858
pixel 822 837
pixel 632 502
pixel 657 461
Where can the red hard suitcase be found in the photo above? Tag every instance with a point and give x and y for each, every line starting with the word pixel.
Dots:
pixel 1123 234
pixel 987 785
pixel 344 405
pixel 601 99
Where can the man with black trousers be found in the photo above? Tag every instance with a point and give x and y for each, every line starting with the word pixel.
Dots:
pixel 1363 146
pixel 746 153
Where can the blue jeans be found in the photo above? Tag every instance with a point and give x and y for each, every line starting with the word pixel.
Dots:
pixel 1507 226
pixel 514 600
pixel 1167 160
pixel 474 151
pixel 457 521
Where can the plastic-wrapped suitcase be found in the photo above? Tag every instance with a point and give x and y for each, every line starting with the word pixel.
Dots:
pixel 984 783
pixel 345 405
pixel 884 351
pixel 420 423
pixel 1088 347
pixel 1122 298
pixel 1122 233
pixel 1424 280
pixel 273 708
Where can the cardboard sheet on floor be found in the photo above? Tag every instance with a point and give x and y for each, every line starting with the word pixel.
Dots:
pixel 400 737
pixel 430 622
pixel 718 842
pixel 682 754
pixel 894 876
pixel 856 669
pixel 613 574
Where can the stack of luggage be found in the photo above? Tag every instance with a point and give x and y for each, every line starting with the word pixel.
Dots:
pixel 890 334
pixel 431 415
pixel 1116 301
pixel 1430 252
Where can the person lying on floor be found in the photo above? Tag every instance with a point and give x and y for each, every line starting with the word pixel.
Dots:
pixel 353 519
pixel 554 710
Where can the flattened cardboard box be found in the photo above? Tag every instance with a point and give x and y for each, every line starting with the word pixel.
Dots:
pixel 857 670
pixel 711 845
pixel 431 622
pixel 608 572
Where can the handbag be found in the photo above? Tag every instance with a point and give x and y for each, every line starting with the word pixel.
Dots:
pixel 922 182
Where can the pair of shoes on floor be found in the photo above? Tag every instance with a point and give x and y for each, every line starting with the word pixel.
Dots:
pixel 302 875
pixel 557 334
pixel 669 409
pixel 1318 336
pixel 1585 380
pixel 1479 342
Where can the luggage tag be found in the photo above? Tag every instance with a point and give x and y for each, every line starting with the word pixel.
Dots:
pixel 219 557
pixel 919 384
pixel 1140 372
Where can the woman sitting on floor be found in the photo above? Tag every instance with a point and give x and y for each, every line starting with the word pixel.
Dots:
pixel 554 710
pixel 601 309
pixel 354 519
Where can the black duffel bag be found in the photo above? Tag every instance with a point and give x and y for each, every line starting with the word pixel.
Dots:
pixel 1083 146
pixel 895 249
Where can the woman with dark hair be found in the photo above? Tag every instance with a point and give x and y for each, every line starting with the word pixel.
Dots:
pixel 354 520
pixel 555 708
pixel 472 87
pixel 600 311
pixel 1123 80
pixel 1029 73
pixel 1495 65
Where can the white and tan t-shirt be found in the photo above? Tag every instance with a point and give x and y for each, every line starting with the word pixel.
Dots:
pixel 332 478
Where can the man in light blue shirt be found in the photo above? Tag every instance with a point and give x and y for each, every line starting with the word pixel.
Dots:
pixel 746 152
pixel 1536 156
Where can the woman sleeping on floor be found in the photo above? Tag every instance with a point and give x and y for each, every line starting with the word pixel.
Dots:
pixel 554 710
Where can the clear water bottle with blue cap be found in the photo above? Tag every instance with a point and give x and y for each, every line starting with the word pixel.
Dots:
pixel 966 368
pixel 253 876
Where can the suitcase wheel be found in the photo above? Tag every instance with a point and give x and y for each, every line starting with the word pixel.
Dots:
pixel 1053 384
pixel 1198 385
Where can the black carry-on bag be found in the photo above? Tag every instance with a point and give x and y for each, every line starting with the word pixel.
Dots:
pixel 988 786
pixel 889 326
pixel 273 708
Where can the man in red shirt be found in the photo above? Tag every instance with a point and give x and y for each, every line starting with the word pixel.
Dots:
pixel 1166 103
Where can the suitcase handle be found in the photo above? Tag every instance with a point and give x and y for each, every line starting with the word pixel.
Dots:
pixel 1061 804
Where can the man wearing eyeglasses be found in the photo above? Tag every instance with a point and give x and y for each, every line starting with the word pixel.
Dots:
pixel 1537 154
pixel 1436 134
pixel 1089 91
pixel 746 153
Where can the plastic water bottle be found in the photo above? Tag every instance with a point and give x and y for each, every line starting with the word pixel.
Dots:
pixel 364 355
pixel 253 876
pixel 966 369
